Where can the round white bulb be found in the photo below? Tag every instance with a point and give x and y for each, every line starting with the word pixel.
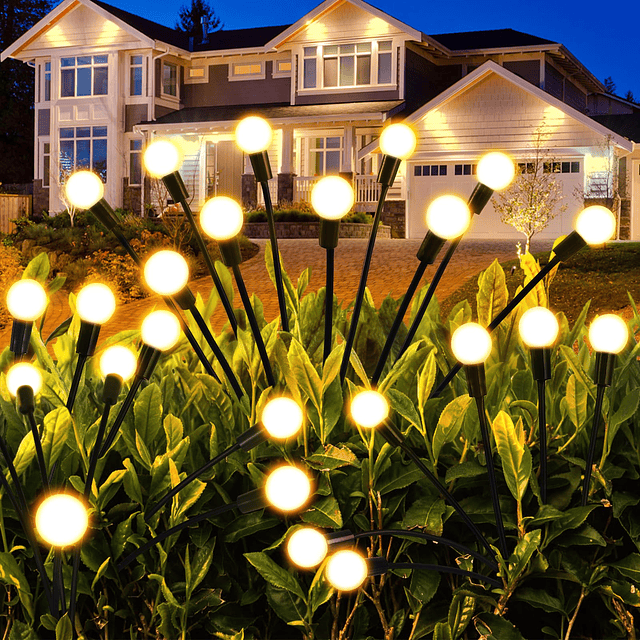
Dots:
pixel 166 272
pixel 84 189
pixel 118 360
pixel 538 327
pixel 23 374
pixel 307 547
pixel 95 303
pixel 287 488
pixel 253 134
pixel 221 218
pixel 496 170
pixel 282 417
pixel 471 343
pixel 369 409
pixel 160 330
pixel 26 300
pixel 332 197
pixel 62 520
pixel 448 217
pixel 608 333
pixel 398 140
pixel 346 570
pixel 161 158
pixel 596 224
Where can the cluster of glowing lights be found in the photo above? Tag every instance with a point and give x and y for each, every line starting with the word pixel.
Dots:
pixel 118 360
pixel 332 197
pixel 23 374
pixel 161 330
pixel 61 520
pixel 596 224
pixel 496 170
pixel 282 418
pixel 538 328
pixel 346 570
pixel 253 134
pixel 608 334
pixel 161 158
pixel 26 300
pixel 307 547
pixel 166 272
pixel 471 343
pixel 369 409
pixel 448 217
pixel 287 488
pixel 84 189
pixel 221 218
pixel 95 303
pixel 398 140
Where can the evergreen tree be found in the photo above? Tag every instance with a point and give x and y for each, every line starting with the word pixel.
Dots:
pixel 189 18
pixel 609 85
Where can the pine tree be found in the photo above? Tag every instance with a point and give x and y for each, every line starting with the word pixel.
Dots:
pixel 189 18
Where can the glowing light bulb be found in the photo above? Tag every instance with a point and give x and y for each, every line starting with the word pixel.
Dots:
pixel 608 333
pixel 471 343
pixel 161 158
pixel 26 300
pixel 596 224
pixel 448 217
pixel 496 170
pixel 95 303
pixel 253 134
pixel 398 140
pixel 23 374
pixel 282 417
pixel 369 409
pixel 119 361
pixel 84 189
pixel 62 519
pixel 166 272
pixel 287 488
pixel 332 197
pixel 346 570
pixel 221 218
pixel 160 330
pixel 538 327
pixel 307 547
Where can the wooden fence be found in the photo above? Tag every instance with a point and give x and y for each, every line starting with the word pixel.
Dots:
pixel 12 207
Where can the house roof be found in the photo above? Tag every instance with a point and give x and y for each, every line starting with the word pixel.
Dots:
pixel 495 38
pixel 240 38
pixel 624 124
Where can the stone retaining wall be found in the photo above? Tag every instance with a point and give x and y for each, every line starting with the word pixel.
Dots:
pixel 311 230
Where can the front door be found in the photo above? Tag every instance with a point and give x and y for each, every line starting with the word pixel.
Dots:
pixel 229 169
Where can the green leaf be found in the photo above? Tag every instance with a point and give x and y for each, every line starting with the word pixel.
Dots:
pixel 426 512
pixel 571 519
pixel 324 513
pixel 540 599
pixel 629 567
pixel 22 631
pixel 63 628
pixel 101 571
pixel 131 482
pixel 287 607
pixel 442 631
pixel 493 627
pixel 426 378
pixel 449 423
pixel 576 396
pixel 332 458
pixel 166 592
pixel 12 575
pixel 424 585
pixel 249 524
pixel 173 431
pixel 274 574
pixel 305 374
pixel 460 613
pixel 627 409
pixel 514 453
pixel 200 566
pixel 468 469
pixel 57 424
pixel 38 269
pixel 398 476
pixel 25 453
pixel 401 404
pixel 148 414
pixel 521 555
pixel 493 295
pixel 320 590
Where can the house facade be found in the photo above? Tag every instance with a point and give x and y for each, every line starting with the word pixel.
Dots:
pixel 108 81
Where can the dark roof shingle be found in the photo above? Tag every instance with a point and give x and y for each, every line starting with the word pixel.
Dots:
pixel 493 39
pixel 624 124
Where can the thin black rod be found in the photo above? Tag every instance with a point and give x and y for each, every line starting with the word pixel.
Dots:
pixel 75 383
pixel 542 432
pixel 445 569
pixel 253 322
pixel 6 454
pixel 190 478
pixel 355 316
pixel 486 440
pixel 277 267
pixel 58 582
pixel 74 587
pixel 39 453
pixel 328 305
pixel 592 443
pixel 397 321
pixel 126 405
pixel 179 527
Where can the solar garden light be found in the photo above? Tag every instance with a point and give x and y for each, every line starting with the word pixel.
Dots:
pixel 608 335
pixel 332 198
pixel 166 273
pixel 26 302
pixel 253 136
pixel 281 418
pixel 221 219
pixel 370 410
pixel 397 142
pixel 539 330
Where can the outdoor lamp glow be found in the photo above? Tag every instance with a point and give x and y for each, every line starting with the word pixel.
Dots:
pixel 346 570
pixel 61 519
pixel 538 327
pixel 496 170
pixel 398 140
pixel 332 197
pixel 608 334
pixel 448 217
pixel 26 300
pixel 119 361
pixel 84 189
pixel 307 547
pixel 253 134
pixel 166 272
pixel 287 488
pixel 23 374
pixel 161 158
pixel 282 417
pixel 369 409
pixel 221 218
pixel 596 224
pixel 471 343
pixel 95 303
pixel 160 330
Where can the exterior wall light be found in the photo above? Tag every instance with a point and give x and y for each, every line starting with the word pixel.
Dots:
pixel 307 547
pixel 26 302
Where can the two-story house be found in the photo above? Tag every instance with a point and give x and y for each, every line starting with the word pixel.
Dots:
pixel 107 81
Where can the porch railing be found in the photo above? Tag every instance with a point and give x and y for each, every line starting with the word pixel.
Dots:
pixel 302 187
pixel 367 189
pixel 273 190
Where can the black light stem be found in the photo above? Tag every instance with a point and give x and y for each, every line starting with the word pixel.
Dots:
pixel 542 432
pixel 58 582
pixel 8 459
pixel 328 305
pixel 39 453
pixel 445 569
pixel 74 587
pixel 95 451
pixel 75 383
pixel 126 405
pixel 597 412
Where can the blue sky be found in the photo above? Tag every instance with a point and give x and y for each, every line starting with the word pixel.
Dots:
pixel 603 37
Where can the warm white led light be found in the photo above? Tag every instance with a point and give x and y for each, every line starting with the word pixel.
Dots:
pixel 253 134
pixel 26 300
pixel 307 547
pixel 166 272
pixel 118 360
pixel 398 140
pixel 287 488
pixel 608 333
pixel 596 224
pixel 161 158
pixel 23 374
pixel 160 330
pixel 346 570
pixel 332 197
pixel 448 217
pixel 538 327
pixel 95 303
pixel 369 409
pixel 62 519
pixel 471 343
pixel 83 189
pixel 496 170
pixel 282 417
pixel 221 218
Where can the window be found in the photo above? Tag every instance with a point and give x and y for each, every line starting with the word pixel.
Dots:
pixel 384 62
pixel 561 167
pixel 464 169
pixel 247 70
pixel 324 155
pixel 196 72
pixel 281 68
pixel 83 148
pixel 135 76
pixel 84 76
pixel 46 163
pixel 430 170
pixel 310 67
pixel 135 164
pixel 47 81
pixel 170 79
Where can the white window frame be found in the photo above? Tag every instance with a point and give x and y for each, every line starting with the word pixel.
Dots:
pixel 42 81
pixel 93 66
pixel 170 96
pixel 45 140
pixel 234 76
pixel 204 79
pixel 129 139
pixel 277 73
pixel 313 151
pixel 142 66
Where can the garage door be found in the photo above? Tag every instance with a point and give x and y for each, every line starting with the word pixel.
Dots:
pixel 428 181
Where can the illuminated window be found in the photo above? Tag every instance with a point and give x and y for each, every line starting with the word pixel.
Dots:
pixel 135 164
pixel 170 79
pixel 83 148
pixel 561 167
pixel 310 67
pixel 135 75
pixel 282 68
pixel 324 155
pixel 46 164
pixel 247 71
pixel 196 72
pixel 84 76
pixel 47 81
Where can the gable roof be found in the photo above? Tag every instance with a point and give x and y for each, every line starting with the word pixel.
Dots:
pixel 625 124
pixel 492 39
pixel 240 38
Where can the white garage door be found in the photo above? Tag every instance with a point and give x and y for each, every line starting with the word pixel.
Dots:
pixel 428 181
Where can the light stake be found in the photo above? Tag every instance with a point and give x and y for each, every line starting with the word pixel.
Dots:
pixel 26 302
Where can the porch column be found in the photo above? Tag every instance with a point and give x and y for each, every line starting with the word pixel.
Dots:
pixel 249 186
pixel 286 175
pixel 348 152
